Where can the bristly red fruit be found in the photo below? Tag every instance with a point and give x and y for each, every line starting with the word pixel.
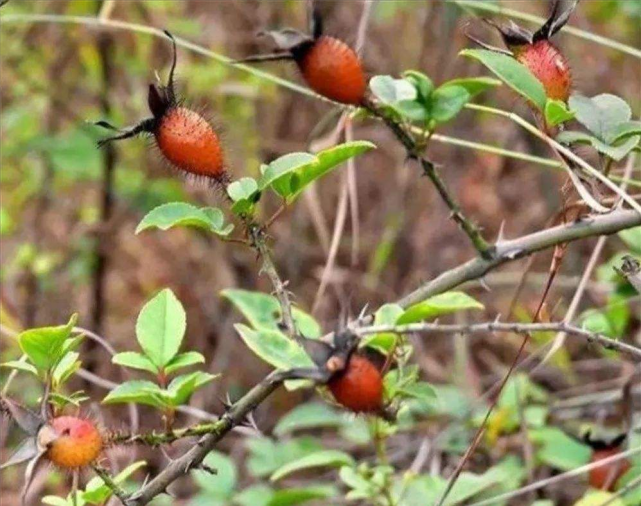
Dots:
pixel 184 137
pixel 332 69
pixel 189 142
pixel 549 66
pixel 76 442
pixel 329 66
pixel 359 387
pixel 537 53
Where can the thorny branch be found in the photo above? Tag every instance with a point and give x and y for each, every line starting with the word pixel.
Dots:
pixel 490 258
pixel 479 328
pixel 258 238
pixel 510 250
pixel 234 416
pixel 106 477
pixel 414 150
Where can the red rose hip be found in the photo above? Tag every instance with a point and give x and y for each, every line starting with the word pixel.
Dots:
pixel 359 387
pixel 332 69
pixel 74 442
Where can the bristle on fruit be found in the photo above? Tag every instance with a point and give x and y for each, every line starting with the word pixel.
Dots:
pixel 71 442
pixel 189 142
pixel 549 66
pixel 333 69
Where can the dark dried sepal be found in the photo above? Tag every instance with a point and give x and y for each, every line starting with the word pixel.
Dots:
pixel 557 20
pixel 26 419
pixel 29 475
pixel 288 39
pixel 602 444
pixel 485 45
pixel 513 34
pixel 27 450
pixel 316 23
pixel 319 351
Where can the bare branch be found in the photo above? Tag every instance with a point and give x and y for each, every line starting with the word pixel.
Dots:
pixel 481 328
pixel 507 251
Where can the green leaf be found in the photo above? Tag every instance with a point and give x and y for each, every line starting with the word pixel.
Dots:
pixel 599 498
pixel 245 194
pixel 413 111
pixel 181 388
pixel 140 392
pixel 617 152
pixel 474 85
pixel 160 327
pixel 97 492
pixel 625 130
pixel 61 401
pixel 515 75
pixel 67 366
pixel 386 315
pixel 54 500
pixel 291 174
pixel 45 345
pixel 447 101
pixel 134 360
pixel 312 415
pixel 294 496
pixel 420 390
pixel 424 490
pixel 595 321
pixel 556 112
pixel 274 347
pixel 276 171
pixel 267 455
pixel 389 90
pixel 181 214
pixel 323 458
pixel 244 188
pixel 632 238
pixel 263 311
pixel 184 360
pixel 328 160
pixel 573 136
pixel 559 450
pixel 602 115
pixel 442 304
pixel 421 82
pixel 20 366
pixel 222 484
pixel 255 495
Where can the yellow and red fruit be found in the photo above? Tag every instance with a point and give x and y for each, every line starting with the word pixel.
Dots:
pixel 75 442
pixel 359 387
pixel 189 142
pixel 605 476
pixel 549 66
pixel 333 69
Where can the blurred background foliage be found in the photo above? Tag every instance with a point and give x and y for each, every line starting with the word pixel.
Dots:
pixel 55 79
